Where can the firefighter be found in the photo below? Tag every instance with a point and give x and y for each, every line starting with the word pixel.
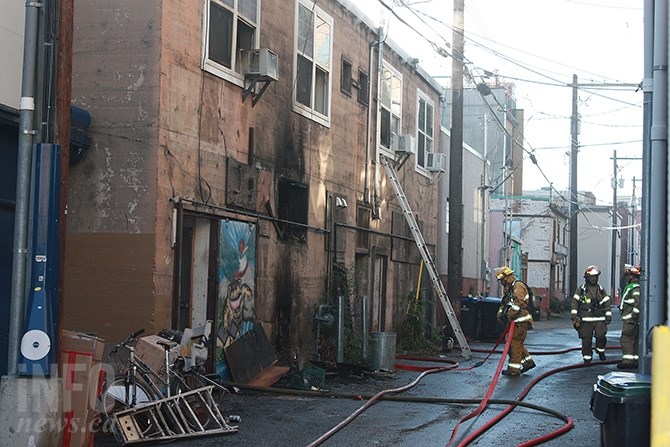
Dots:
pixel 514 307
pixel 630 313
pixel 591 314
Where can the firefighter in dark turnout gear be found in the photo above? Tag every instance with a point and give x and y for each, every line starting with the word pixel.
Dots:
pixel 591 314
pixel 630 314
pixel 514 307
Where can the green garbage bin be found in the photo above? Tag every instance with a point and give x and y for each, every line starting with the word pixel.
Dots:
pixel 621 402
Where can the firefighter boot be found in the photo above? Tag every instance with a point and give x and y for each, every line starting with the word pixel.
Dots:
pixel 602 356
pixel 528 365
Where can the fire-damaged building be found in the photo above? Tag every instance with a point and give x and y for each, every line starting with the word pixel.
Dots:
pixel 234 170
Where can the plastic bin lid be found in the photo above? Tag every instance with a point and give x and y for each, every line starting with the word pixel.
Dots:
pixel 625 384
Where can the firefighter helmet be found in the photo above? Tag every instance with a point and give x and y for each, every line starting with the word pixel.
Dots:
pixel 504 271
pixel 633 271
pixel 591 270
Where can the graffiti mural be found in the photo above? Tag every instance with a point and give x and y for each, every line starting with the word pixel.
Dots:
pixel 236 277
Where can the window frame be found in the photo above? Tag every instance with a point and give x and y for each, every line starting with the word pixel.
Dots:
pixel 422 133
pixel 346 78
pixel 215 68
pixel 310 111
pixel 386 66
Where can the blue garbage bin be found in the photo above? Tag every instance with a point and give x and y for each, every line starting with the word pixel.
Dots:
pixel 470 317
pixel 490 327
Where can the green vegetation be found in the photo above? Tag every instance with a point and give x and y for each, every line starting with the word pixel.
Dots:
pixel 413 333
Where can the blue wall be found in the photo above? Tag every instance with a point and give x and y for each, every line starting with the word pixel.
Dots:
pixel 8 159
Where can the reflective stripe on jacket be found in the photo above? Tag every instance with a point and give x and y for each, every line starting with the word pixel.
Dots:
pixel 515 303
pixel 630 302
pixel 591 303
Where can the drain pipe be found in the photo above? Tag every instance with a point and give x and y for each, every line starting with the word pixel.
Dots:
pixel 368 127
pixel 340 329
pixel 377 205
pixel 364 325
pixel 26 136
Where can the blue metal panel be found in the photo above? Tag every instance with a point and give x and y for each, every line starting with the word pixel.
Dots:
pixel 8 162
pixel 38 345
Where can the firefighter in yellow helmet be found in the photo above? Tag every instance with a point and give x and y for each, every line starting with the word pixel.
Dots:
pixel 591 313
pixel 630 314
pixel 514 307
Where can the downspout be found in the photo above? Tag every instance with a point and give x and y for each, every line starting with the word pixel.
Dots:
pixel 645 199
pixel 26 134
pixel 377 205
pixel 657 284
pixel 368 128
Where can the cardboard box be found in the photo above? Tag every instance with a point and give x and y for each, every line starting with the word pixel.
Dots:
pixel 152 354
pixel 80 359
pixel 77 342
pixel 76 368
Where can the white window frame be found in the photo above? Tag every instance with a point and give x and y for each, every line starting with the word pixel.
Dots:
pixel 310 111
pixel 215 68
pixel 397 113
pixel 422 134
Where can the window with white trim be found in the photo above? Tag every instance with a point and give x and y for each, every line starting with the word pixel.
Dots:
pixel 391 105
pixel 230 31
pixel 424 127
pixel 313 62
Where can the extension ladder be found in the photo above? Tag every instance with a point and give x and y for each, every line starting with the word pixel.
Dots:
pixel 190 414
pixel 427 259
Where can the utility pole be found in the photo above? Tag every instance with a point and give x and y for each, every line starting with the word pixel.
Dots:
pixel 484 187
pixel 574 199
pixel 455 267
pixel 634 245
pixel 613 269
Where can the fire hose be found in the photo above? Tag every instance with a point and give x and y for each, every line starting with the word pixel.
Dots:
pixel 482 404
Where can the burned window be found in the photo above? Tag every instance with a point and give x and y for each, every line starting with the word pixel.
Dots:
pixel 336 213
pixel 363 215
pixel 363 87
pixel 292 209
pixel 346 81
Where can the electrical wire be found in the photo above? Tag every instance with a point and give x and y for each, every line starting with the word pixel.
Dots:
pixel 416 13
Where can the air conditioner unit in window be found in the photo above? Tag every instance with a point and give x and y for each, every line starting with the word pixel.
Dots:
pixel 403 144
pixel 262 65
pixel 436 162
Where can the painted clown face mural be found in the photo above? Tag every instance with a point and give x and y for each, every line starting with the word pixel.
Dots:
pixel 236 277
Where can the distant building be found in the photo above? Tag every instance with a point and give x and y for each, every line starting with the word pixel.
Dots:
pixel 540 223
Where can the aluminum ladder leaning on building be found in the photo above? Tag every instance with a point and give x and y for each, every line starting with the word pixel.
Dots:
pixel 427 259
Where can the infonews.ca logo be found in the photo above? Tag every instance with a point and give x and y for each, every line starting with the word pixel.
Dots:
pixel 62 425
pixel 70 405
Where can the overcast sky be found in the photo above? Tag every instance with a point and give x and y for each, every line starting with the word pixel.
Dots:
pixel 539 45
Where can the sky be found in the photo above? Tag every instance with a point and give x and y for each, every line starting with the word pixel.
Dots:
pixel 538 45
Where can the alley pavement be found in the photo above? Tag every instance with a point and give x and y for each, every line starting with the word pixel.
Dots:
pixel 302 419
